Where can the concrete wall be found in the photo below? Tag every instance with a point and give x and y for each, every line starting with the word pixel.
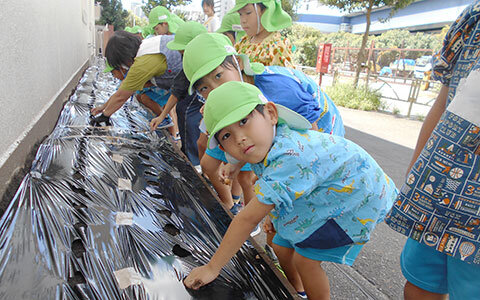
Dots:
pixel 44 46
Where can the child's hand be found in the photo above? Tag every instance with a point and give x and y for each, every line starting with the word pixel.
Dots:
pixel 96 110
pixel 268 226
pixel 155 122
pixel 200 276
pixel 227 172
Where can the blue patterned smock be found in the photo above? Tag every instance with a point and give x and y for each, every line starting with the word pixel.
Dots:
pixel 439 204
pixel 327 191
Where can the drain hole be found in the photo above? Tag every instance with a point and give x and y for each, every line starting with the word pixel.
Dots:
pixel 78 190
pixel 171 229
pixel 77 278
pixel 142 155
pixel 147 165
pixel 151 182
pixel 77 248
pixel 78 176
pixel 164 212
pixel 150 173
pixel 79 206
pixel 80 226
pixel 156 196
pixel 180 252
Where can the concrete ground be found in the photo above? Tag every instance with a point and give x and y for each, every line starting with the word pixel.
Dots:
pixel 376 272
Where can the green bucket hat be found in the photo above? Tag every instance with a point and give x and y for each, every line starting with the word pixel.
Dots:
pixel 273 19
pixel 185 33
pixel 161 14
pixel 206 52
pixel 108 68
pixel 146 31
pixel 232 101
pixel 231 22
pixel 136 29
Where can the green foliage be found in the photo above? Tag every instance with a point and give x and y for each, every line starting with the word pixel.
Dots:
pixel 170 4
pixel 405 39
pixel 138 21
pixel 420 118
pixel 350 5
pixel 346 95
pixel 307 39
pixel 290 7
pixel 353 5
pixel 113 13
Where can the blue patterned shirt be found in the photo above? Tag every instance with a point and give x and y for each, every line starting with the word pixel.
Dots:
pixel 327 191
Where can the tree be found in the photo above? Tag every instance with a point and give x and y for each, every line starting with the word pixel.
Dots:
pixel 368 5
pixel 290 7
pixel 113 13
pixel 138 21
pixel 167 3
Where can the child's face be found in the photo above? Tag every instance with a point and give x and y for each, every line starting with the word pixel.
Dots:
pixel 208 10
pixel 161 28
pixel 248 19
pixel 216 78
pixel 250 139
pixel 119 73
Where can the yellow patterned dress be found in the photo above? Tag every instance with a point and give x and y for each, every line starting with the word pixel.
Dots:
pixel 274 50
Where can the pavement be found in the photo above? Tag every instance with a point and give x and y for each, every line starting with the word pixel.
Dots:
pixel 376 272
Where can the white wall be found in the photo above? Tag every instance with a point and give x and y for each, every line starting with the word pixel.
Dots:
pixel 43 43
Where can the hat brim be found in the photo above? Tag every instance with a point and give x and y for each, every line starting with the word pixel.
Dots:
pixel 229 119
pixel 205 70
pixel 172 45
pixel 292 119
pixel 251 68
pixel 108 69
pixel 273 19
pixel 239 6
pixel 285 115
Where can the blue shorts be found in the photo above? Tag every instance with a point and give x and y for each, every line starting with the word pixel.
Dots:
pixel 439 273
pixel 218 154
pixel 345 255
pixel 157 94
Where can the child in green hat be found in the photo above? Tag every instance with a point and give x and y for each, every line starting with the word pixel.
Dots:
pixel 231 27
pixel 187 106
pixel 162 21
pixel 137 30
pixel 148 62
pixel 147 32
pixel 324 193
pixel 210 60
pixel 262 20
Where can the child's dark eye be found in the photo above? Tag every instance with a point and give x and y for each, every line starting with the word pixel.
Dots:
pixel 225 136
pixel 218 75
pixel 243 121
pixel 202 89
